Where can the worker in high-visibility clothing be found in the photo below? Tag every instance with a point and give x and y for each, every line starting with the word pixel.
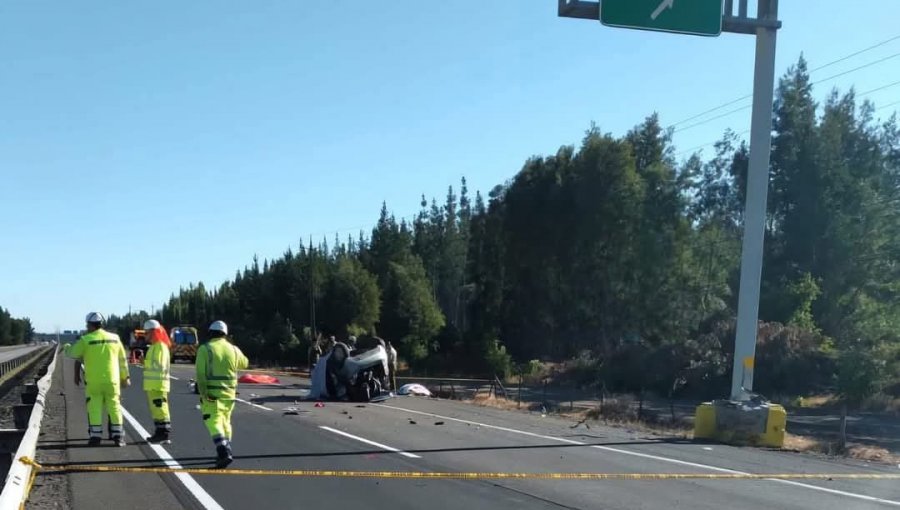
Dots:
pixel 156 380
pixel 218 362
pixel 105 371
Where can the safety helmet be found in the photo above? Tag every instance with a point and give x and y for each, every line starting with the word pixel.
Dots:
pixel 95 318
pixel 151 324
pixel 219 326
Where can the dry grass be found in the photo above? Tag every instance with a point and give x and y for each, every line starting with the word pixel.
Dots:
pixel 882 403
pixel 796 443
pixel 872 454
pixel 615 413
pixel 817 401
pixel 498 403
pixel 868 453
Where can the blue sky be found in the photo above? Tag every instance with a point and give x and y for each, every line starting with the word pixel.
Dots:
pixel 147 145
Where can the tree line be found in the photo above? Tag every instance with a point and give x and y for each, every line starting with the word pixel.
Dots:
pixel 14 331
pixel 616 255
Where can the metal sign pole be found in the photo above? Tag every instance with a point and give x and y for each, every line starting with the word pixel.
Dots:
pixel 765 26
pixel 755 206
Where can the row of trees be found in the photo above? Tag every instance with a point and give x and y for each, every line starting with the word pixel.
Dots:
pixel 14 331
pixel 619 255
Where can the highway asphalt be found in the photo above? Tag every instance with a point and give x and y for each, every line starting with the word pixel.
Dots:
pixel 14 351
pixel 415 434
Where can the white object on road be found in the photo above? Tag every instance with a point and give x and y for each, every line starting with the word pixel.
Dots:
pixel 414 389
pixel 254 405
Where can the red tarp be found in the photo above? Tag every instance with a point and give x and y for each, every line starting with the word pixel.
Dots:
pixel 258 379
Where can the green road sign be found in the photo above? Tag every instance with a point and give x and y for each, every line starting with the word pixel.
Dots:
pixel 698 17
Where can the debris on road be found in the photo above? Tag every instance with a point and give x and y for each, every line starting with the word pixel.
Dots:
pixel 414 389
pixel 319 404
pixel 582 422
pixel 258 379
pixel 411 421
pixel 293 410
pixel 361 405
pixel 438 423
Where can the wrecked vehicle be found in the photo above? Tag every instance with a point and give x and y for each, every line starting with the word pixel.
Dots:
pixel 357 375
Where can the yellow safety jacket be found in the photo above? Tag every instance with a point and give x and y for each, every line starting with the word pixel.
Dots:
pixel 103 356
pixel 156 368
pixel 218 362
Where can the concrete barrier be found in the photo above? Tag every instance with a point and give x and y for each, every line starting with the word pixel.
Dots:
pixel 18 480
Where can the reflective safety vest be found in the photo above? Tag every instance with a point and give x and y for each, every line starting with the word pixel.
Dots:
pixel 156 367
pixel 218 362
pixel 103 356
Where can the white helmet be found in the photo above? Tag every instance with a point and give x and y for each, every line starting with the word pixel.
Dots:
pixel 219 326
pixel 151 324
pixel 95 318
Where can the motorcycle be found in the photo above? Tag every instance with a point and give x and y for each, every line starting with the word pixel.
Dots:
pixel 356 375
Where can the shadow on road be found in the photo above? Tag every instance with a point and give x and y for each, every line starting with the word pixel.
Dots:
pixel 186 461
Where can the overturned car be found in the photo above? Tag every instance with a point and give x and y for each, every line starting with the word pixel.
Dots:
pixel 358 375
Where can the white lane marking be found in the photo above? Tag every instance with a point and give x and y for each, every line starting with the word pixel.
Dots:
pixel 370 443
pixel 254 405
pixel 655 457
pixel 203 497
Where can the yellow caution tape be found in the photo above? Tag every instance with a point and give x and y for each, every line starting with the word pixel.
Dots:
pixel 431 475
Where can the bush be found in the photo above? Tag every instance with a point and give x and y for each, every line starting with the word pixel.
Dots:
pixel 498 360
pixel 793 360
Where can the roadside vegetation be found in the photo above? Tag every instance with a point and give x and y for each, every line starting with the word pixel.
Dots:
pixel 618 260
pixel 14 331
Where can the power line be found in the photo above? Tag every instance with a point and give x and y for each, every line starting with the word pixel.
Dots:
pixel 887 105
pixel 889 85
pixel 870 64
pixel 692 149
pixel 878 45
pixel 838 60
pixel 717 117
pixel 736 110
pixel 738 100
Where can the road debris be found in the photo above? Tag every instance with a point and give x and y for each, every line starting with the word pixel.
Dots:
pixel 582 422
pixel 438 423
pixel 414 389
pixel 411 421
pixel 319 404
pixel 258 379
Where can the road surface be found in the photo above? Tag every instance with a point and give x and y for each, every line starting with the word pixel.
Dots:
pixel 14 351
pixel 412 434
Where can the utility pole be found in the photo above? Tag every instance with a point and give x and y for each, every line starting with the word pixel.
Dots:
pixel 699 17
pixel 312 291
pixel 755 203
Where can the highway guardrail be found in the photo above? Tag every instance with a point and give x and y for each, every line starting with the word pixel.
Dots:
pixel 21 474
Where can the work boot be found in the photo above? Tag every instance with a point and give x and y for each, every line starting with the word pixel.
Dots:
pixel 160 436
pixel 119 441
pixel 224 456
pixel 94 441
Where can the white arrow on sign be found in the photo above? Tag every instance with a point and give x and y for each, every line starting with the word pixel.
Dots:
pixel 666 4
